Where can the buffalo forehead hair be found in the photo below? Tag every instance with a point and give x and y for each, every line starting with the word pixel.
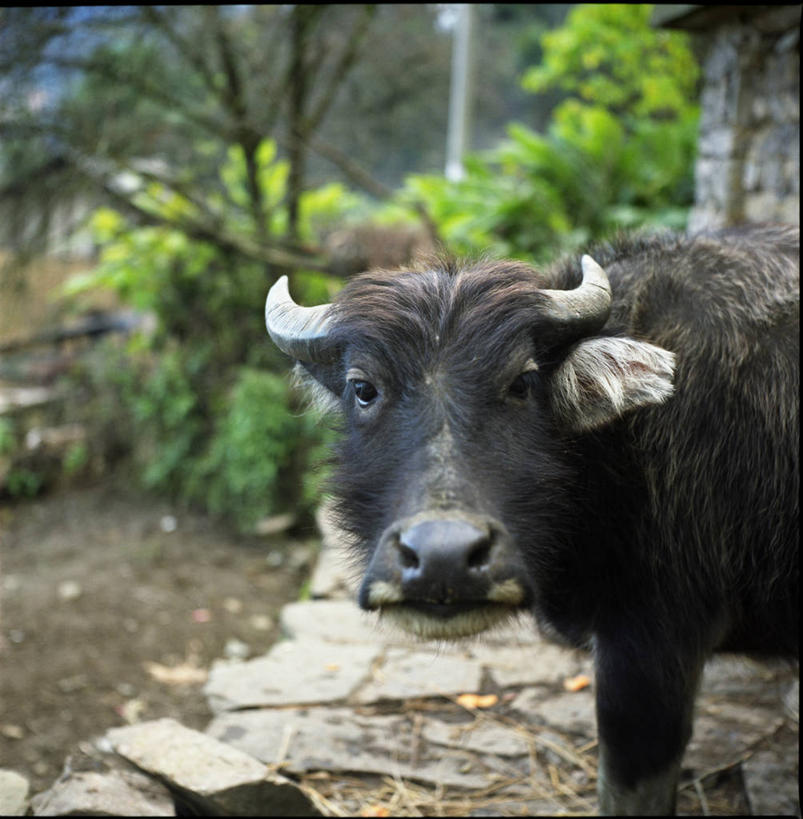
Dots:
pixel 436 308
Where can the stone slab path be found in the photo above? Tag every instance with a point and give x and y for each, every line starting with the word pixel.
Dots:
pixel 344 717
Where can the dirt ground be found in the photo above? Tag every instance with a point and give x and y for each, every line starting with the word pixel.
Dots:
pixel 112 606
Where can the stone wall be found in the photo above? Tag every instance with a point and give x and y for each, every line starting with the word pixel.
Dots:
pixel 748 165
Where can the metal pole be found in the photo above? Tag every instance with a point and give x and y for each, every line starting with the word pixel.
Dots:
pixel 460 94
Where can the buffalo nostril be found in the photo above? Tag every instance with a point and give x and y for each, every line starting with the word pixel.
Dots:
pixel 407 557
pixel 451 545
pixel 479 555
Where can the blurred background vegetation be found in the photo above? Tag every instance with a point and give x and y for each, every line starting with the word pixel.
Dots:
pixel 176 160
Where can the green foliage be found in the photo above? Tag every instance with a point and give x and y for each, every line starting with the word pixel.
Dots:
pixel 260 443
pixel 23 483
pixel 610 56
pixel 75 458
pixel 618 153
pixel 212 422
pixel 8 436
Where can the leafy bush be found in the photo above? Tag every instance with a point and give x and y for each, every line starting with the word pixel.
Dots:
pixel 8 436
pixel 618 152
pixel 259 449
pixel 212 422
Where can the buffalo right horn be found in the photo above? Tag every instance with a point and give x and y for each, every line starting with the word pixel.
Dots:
pixel 586 308
pixel 301 332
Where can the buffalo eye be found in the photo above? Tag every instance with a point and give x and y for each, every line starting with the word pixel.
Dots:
pixel 365 391
pixel 520 387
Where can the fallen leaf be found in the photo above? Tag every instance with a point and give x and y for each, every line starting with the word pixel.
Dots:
pixel 12 731
pixel 577 683
pixel 261 622
pixel 233 605
pixel 132 710
pixel 374 810
pixel 477 700
pixel 182 674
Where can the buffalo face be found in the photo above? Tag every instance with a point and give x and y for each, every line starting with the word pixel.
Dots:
pixel 461 391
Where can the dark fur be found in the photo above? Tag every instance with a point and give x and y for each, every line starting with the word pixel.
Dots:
pixel 665 535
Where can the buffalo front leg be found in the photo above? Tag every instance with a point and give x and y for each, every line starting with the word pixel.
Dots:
pixel 645 705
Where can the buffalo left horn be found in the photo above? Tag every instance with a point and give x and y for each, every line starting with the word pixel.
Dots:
pixel 586 308
pixel 301 332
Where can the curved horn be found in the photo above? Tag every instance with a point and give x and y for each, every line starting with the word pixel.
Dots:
pixel 301 332
pixel 587 307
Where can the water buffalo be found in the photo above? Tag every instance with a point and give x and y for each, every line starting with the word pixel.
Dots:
pixel 610 444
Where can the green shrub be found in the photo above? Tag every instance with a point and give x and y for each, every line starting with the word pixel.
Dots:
pixel 618 152
pixel 206 398
pixel 258 451
pixel 8 436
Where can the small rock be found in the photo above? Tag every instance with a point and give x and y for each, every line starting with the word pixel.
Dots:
pixel 132 710
pixel 13 794
pixel 274 559
pixel 168 524
pixel 115 793
pixel 236 649
pixel 11 583
pixel 68 685
pixel 69 590
pixel 233 605
pixel 12 731
pixel 209 774
pixel 275 524
pixel 300 557
pixel 261 622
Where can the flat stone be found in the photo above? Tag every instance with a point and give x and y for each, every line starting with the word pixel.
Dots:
pixel 732 675
pixel 520 631
pixel 539 663
pixel 331 578
pixel 791 701
pixel 771 784
pixel 114 793
pixel 292 673
pixel 725 732
pixel 333 575
pixel 340 740
pixel 480 736
pixel 209 773
pixel 21 398
pixel 336 621
pixel 571 713
pixel 405 674
pixel 13 794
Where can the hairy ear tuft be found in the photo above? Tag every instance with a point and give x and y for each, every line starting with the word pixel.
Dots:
pixel 602 378
pixel 321 398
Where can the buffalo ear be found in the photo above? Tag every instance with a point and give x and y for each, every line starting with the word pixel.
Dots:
pixel 602 378
pixel 322 383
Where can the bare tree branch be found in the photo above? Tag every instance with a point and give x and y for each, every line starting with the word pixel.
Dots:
pixel 344 64
pixel 360 177
pixel 193 57
pixel 142 85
